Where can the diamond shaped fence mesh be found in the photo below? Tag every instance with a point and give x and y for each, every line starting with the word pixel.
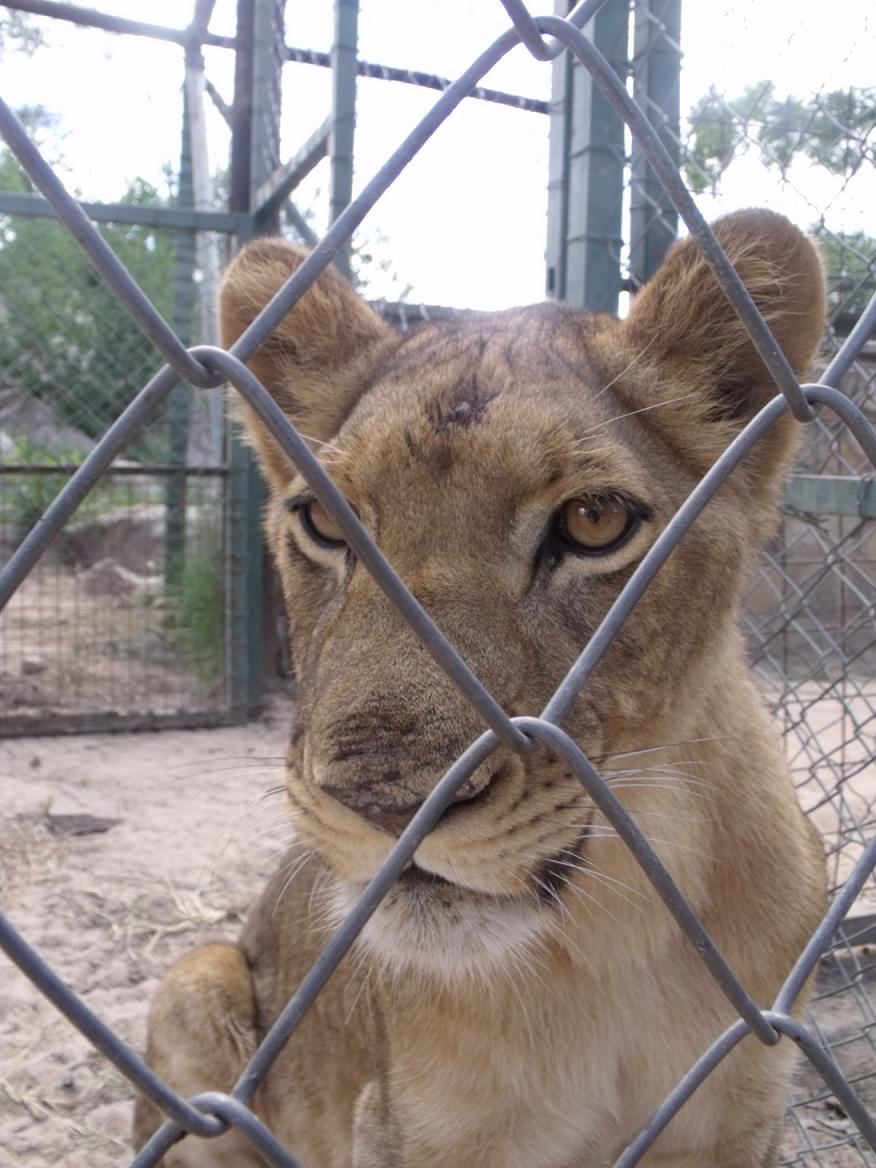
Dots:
pixel 809 617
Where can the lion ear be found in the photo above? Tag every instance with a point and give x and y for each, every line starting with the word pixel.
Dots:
pixel 692 345
pixel 314 362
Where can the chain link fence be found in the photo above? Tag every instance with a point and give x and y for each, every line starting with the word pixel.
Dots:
pixel 810 621
pixel 123 624
pixel 126 622
pixel 811 614
pixel 129 622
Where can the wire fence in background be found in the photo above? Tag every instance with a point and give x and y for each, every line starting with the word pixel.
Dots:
pixel 811 613
pixel 127 622
pixel 124 623
pixel 812 651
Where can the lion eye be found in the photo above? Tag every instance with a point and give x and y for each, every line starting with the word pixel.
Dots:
pixel 595 525
pixel 319 525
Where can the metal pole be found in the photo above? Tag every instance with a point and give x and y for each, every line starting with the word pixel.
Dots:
pixel 343 116
pixel 255 151
pixel 207 425
pixel 246 574
pixel 656 79
pixel 558 169
pixel 179 402
pixel 241 112
pixel 267 64
pixel 243 550
pixel 586 181
pixel 88 18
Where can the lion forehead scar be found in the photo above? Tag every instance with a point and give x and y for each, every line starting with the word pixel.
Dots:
pixel 469 409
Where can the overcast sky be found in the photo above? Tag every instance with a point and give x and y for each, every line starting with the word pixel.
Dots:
pixel 466 223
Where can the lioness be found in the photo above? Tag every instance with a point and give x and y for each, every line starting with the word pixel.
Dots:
pixel 521 999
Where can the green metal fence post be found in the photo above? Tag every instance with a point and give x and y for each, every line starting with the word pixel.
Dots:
pixel 179 404
pixel 246 575
pixel 343 116
pixel 656 87
pixel 586 181
pixel 267 66
pixel 255 153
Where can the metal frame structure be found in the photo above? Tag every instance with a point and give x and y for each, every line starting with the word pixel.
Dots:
pixel 261 191
pixel 590 168
pixel 547 38
pixel 260 52
pixel 601 192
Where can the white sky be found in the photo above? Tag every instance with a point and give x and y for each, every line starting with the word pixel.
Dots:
pixel 465 224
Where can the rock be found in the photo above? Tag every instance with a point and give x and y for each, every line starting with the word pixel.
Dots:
pixel 31 665
pixel 107 577
pixel 131 536
pixel 31 418
pixel 79 823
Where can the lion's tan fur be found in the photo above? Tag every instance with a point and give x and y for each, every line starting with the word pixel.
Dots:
pixel 531 1007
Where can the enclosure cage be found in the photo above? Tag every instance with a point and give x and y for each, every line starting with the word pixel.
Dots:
pixel 140 599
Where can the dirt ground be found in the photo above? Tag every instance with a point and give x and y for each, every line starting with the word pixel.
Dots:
pixel 119 852
pixel 192 831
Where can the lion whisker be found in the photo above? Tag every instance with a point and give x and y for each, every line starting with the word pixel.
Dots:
pixel 295 869
pixel 642 410
pixel 621 886
pixel 580 892
pixel 593 829
pixel 364 983
pixel 667 746
pixel 669 772
pixel 635 360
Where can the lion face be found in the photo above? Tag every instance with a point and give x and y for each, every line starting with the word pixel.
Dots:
pixel 514 468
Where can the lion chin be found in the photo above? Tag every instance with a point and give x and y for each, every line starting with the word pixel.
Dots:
pixel 429 926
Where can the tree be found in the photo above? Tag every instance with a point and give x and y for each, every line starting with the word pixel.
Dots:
pixel 833 130
pixel 63 336
pixel 18 32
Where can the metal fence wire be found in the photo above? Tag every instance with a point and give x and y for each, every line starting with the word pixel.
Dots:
pixel 210 1114
pixel 127 607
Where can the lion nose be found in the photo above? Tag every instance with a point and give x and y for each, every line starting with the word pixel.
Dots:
pixel 388 799
pixel 389 817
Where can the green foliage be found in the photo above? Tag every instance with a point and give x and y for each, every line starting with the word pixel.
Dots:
pixel 25 494
pixel 715 139
pixel 201 612
pixel 64 337
pixel 830 129
pixel 18 33
pixel 24 497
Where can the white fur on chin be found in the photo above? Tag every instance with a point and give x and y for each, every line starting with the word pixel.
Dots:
pixel 451 933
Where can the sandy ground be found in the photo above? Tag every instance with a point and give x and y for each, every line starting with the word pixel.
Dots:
pixel 192 822
pixel 194 835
